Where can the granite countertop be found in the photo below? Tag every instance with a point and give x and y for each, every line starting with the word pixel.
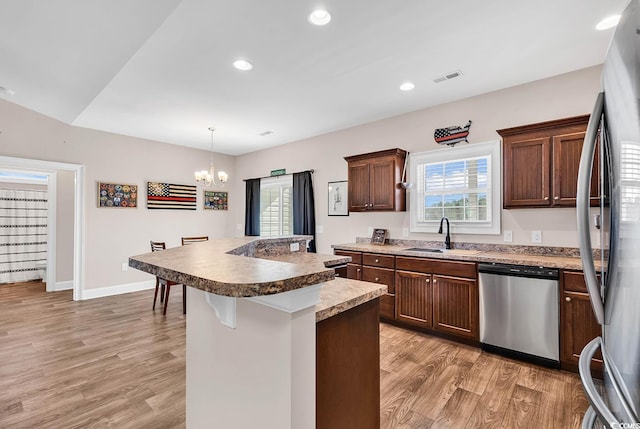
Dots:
pixel 340 294
pixel 343 294
pixel 229 266
pixel 517 257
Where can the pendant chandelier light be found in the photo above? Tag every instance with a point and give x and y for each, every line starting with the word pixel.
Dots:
pixel 208 178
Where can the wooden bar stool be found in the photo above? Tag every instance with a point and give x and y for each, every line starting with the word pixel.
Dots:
pixel 165 285
pixel 189 240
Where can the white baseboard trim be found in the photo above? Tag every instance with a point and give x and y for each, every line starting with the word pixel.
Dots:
pixel 117 289
pixel 63 286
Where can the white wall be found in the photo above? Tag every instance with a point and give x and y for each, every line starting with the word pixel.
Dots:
pixel 561 96
pixel 112 235
pixel 65 181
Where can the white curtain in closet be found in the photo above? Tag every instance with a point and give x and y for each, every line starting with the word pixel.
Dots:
pixel 23 234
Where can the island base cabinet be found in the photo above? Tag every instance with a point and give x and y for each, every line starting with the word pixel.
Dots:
pixel 455 306
pixel 269 351
pixel 348 369
pixel 413 298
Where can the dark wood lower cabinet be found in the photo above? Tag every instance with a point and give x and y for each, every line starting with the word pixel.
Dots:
pixel 413 298
pixel 455 306
pixel 348 369
pixel 578 325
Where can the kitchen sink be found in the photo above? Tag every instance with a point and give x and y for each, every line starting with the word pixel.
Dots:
pixel 425 249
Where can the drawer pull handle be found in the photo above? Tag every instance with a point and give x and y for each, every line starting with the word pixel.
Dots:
pixel 434 281
pixel 546 198
pixel 427 280
pixel 556 197
pixel 377 279
pixel 377 260
pixel 358 269
pixel 568 299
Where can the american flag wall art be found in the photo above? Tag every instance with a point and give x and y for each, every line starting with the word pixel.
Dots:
pixel 452 135
pixel 170 196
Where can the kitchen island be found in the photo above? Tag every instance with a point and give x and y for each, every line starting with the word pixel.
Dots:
pixel 253 323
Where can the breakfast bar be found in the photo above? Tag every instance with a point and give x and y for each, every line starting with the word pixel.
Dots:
pixel 260 313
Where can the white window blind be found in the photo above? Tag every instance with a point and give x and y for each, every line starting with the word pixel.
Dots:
pixel 462 184
pixel 276 208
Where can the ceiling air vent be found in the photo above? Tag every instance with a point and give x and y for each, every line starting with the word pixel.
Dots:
pixel 447 76
pixel 265 133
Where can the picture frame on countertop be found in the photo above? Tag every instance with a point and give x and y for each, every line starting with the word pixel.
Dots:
pixel 379 236
pixel 338 197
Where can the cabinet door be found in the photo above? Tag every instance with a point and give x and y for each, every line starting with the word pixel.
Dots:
pixel 567 149
pixel 527 173
pixel 383 185
pixel 354 271
pixel 578 327
pixel 455 306
pixel 413 298
pixel 358 186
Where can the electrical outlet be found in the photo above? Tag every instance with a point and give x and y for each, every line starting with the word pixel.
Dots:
pixel 320 229
pixel 536 236
pixel 125 266
pixel 294 247
pixel 508 236
pixel 405 232
pixel 370 230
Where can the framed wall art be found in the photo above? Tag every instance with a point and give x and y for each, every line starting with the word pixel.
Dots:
pixel 215 200
pixel 338 197
pixel 117 195
pixel 171 196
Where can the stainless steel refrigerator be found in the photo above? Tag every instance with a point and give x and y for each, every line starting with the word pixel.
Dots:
pixel 615 298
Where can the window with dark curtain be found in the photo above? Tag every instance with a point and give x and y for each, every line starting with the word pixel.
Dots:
pixel 252 208
pixel 304 216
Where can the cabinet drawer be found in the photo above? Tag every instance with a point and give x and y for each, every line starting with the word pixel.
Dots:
pixel 377 260
pixel 382 276
pixel 573 281
pixel 356 257
pixel 437 266
pixel 388 306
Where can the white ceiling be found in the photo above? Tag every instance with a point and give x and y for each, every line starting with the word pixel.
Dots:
pixel 162 69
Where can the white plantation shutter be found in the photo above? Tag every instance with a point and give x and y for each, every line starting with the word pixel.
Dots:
pixel 276 207
pixel 462 184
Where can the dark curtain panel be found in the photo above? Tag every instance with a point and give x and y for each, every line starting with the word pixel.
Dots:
pixel 252 208
pixel 304 208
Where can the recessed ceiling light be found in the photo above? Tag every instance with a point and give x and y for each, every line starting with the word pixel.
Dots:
pixel 319 17
pixel 407 86
pixel 6 91
pixel 243 65
pixel 608 22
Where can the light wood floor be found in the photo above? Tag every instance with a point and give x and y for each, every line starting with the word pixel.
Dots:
pixel 114 363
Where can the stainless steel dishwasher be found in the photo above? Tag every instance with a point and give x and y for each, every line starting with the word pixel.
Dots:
pixel 519 310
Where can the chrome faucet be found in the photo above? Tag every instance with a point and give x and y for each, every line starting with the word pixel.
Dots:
pixel 447 239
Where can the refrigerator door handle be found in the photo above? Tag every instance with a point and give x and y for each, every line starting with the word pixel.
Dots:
pixel 589 419
pixel 596 401
pixel 584 367
pixel 582 208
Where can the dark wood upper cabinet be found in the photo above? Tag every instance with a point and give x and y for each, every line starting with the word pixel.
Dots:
pixel 374 181
pixel 540 163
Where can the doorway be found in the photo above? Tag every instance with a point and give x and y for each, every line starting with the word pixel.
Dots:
pixel 50 169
